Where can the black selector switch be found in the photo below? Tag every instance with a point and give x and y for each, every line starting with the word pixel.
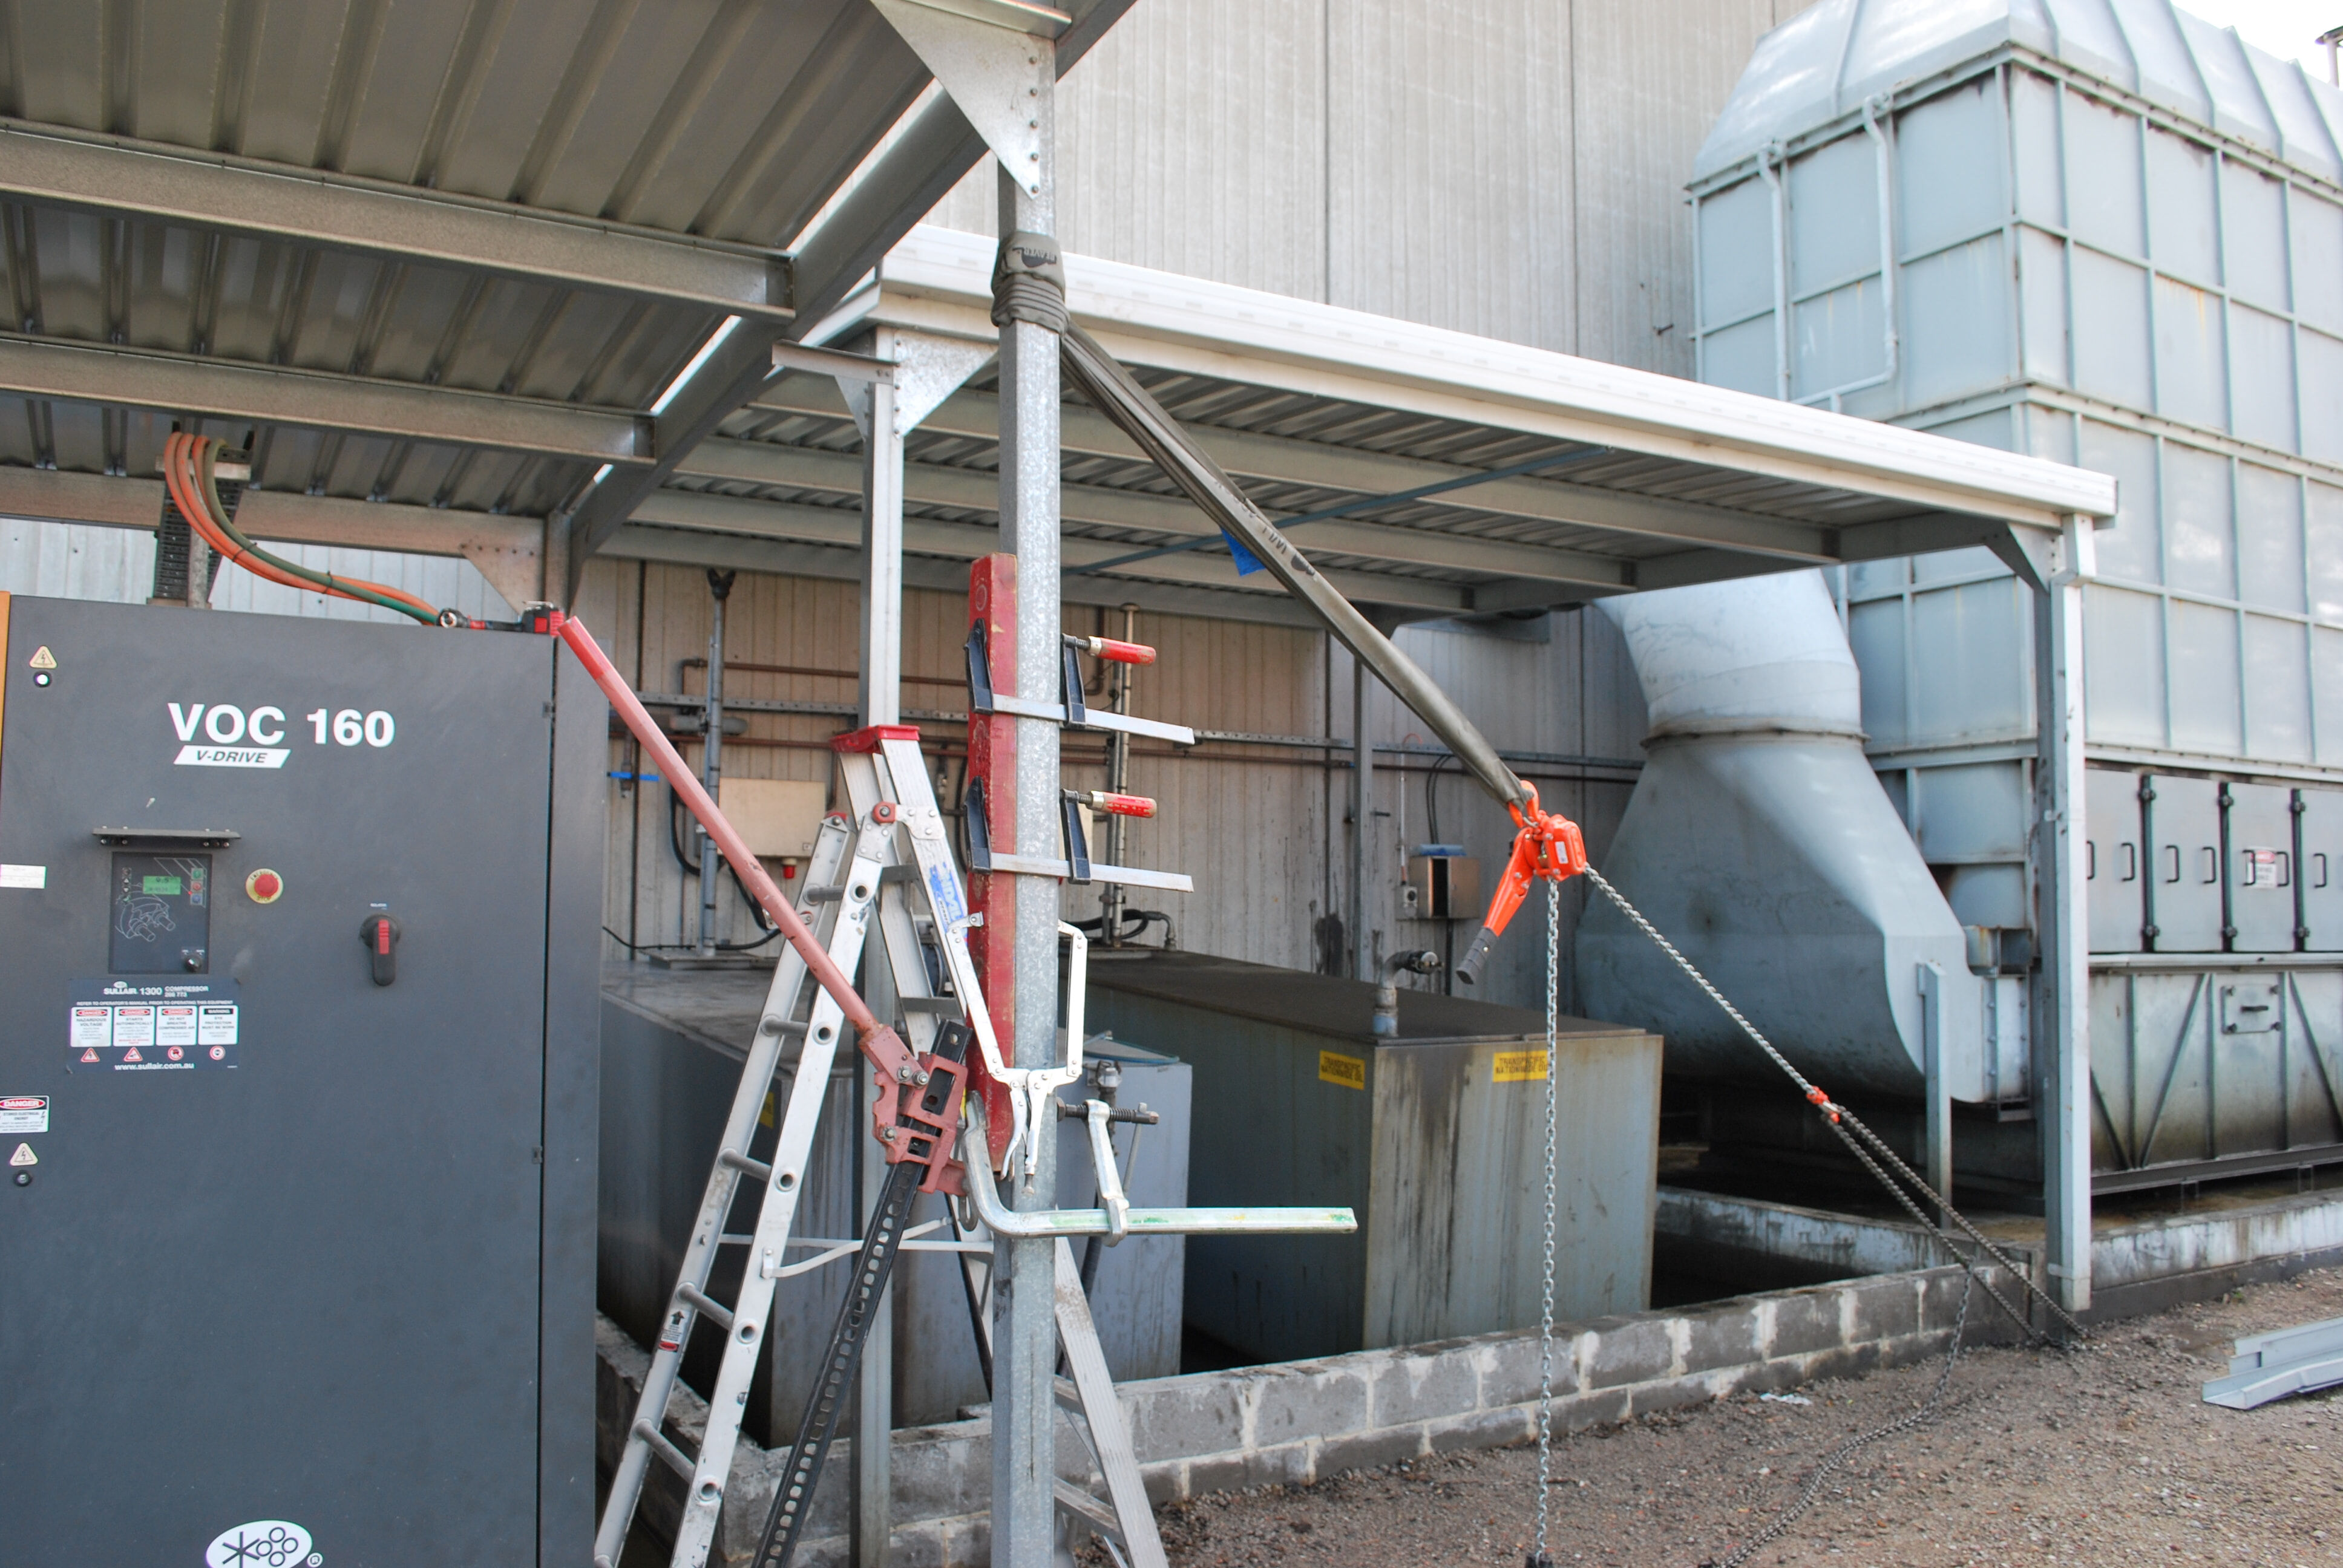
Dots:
pixel 379 932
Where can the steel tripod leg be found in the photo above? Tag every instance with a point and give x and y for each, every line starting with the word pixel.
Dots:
pixel 1110 1432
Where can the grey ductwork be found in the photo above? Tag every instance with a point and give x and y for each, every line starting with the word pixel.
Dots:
pixel 1759 839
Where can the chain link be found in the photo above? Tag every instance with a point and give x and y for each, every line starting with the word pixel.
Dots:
pixel 1927 1412
pixel 1539 1558
pixel 1842 1121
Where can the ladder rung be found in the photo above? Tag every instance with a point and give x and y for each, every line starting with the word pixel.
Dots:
pixel 677 1460
pixel 1070 1397
pixel 949 1004
pixel 733 1239
pixel 829 895
pixel 1099 1516
pixel 707 1306
pixel 741 1163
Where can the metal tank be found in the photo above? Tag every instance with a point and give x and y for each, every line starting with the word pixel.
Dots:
pixel 1435 1136
pixel 2110 233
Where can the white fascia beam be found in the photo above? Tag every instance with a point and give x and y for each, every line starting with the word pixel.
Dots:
pixel 249 196
pixel 280 394
pixel 842 525
pixel 506 549
pixel 939 280
pixel 935 485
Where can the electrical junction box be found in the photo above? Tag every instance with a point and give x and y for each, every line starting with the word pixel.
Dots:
pixel 298 1029
pixel 779 817
pixel 1444 883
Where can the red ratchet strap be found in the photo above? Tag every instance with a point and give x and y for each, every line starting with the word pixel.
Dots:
pixel 896 1065
pixel 1548 846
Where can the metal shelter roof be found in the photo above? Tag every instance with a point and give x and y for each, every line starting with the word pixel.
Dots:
pixel 1823 64
pixel 458 267
pixel 442 255
pixel 1660 481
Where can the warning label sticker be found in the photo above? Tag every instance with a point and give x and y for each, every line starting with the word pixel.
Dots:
pixel 152 1025
pixel 1520 1067
pixel 1349 1072
pixel 24 1113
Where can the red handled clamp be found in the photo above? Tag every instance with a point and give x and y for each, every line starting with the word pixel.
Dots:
pixel 1115 652
pixel 1548 846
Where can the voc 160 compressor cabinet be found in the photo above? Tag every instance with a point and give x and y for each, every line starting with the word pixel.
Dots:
pixel 298 1023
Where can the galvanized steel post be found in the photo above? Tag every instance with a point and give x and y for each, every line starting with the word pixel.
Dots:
pixel 881 676
pixel 2063 997
pixel 1025 1333
pixel 880 702
pixel 1362 812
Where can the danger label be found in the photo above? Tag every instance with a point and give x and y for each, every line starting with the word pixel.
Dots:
pixel 1349 1072
pixel 24 1113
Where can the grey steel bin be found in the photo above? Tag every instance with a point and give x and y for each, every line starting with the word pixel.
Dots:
pixel 1436 1138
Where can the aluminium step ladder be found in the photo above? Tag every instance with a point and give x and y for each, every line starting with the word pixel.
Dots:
pixel 889 856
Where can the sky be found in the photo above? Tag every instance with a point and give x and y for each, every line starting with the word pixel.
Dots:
pixel 2282 27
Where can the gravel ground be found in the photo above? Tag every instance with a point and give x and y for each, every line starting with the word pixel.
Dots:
pixel 2105 1456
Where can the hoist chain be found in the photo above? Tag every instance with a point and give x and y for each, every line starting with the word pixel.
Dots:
pixel 1849 1127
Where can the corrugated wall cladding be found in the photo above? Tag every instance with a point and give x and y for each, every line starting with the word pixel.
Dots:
pixel 82 560
pixel 1509 167
pixel 1573 695
pixel 1262 830
pixel 1247 827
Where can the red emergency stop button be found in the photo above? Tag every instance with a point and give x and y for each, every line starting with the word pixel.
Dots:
pixel 264 887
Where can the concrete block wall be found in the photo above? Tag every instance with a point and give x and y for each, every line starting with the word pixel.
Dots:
pixel 1299 1422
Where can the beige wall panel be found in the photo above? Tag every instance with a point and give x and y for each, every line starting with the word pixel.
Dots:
pixel 1651 77
pixel 1448 158
pixel 1191 139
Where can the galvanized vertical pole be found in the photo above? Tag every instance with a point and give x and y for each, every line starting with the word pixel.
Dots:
pixel 881 702
pixel 1025 1343
pixel 2063 1054
pixel 711 748
pixel 1362 813
pixel 1939 1161
pixel 882 683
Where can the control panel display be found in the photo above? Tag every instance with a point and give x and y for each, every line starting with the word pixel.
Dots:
pixel 160 921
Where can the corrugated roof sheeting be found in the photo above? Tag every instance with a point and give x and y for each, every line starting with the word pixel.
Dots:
pixel 673 115
pixel 731 121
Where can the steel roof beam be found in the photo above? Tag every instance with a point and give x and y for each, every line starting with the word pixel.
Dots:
pixel 339 212
pixel 966 541
pixel 1277 460
pixel 888 197
pixel 748 553
pixel 278 395
pixel 979 490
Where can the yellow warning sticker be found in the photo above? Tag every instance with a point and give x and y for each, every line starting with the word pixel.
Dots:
pixel 1349 1072
pixel 764 1117
pixel 1519 1067
pixel 43 658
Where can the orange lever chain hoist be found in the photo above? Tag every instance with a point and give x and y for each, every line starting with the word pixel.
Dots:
pixel 1546 845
